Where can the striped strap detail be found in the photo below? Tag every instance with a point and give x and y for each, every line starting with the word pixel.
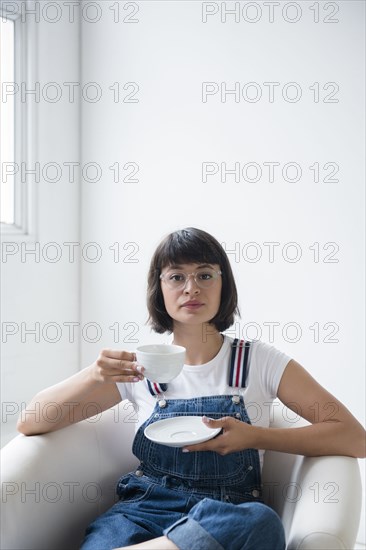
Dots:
pixel 237 373
pixel 239 363
pixel 155 388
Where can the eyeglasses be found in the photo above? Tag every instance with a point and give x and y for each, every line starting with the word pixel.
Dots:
pixel 177 280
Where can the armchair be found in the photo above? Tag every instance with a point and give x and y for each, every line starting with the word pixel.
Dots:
pixel 54 485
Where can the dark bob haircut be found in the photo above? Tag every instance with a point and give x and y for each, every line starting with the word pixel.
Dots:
pixel 190 245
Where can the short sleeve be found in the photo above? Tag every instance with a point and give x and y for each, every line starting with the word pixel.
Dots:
pixel 270 364
pixel 125 390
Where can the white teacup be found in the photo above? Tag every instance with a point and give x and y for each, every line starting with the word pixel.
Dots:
pixel 162 362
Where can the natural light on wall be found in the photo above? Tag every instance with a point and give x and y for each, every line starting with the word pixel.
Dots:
pixel 7 118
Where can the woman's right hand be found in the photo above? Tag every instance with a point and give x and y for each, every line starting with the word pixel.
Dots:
pixel 116 366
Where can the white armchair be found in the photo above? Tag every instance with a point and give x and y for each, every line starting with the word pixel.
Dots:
pixel 54 485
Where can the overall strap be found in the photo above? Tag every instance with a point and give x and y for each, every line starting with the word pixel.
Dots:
pixel 239 363
pixel 155 388
pixel 237 372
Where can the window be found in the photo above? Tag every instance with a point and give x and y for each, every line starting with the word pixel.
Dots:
pixel 17 149
pixel 7 117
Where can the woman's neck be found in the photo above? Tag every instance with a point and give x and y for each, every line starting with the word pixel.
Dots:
pixel 202 342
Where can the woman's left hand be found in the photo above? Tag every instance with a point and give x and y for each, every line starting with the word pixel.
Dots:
pixel 236 436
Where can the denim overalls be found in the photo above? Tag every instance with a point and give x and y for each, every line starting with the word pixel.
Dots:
pixel 200 500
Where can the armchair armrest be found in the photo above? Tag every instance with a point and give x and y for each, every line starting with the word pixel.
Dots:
pixel 62 480
pixel 317 498
pixel 326 504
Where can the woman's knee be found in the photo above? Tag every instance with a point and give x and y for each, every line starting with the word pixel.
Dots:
pixel 266 527
pixel 247 526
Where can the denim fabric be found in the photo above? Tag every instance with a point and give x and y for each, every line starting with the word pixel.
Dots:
pixel 235 477
pixel 200 500
pixel 212 525
pixel 144 510
pixel 148 510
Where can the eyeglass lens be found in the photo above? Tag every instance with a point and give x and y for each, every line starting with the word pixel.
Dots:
pixel 203 279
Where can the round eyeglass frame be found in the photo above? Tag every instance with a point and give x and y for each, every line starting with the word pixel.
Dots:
pixel 187 276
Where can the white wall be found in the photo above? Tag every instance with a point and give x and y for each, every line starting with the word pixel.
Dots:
pixel 36 290
pixel 170 132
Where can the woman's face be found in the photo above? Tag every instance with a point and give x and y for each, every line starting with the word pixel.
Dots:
pixel 192 305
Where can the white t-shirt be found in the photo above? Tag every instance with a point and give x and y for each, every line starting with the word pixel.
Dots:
pixel 266 365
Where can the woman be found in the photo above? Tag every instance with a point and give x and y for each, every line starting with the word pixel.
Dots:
pixel 206 496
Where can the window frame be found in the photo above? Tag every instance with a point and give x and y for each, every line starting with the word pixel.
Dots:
pixel 24 227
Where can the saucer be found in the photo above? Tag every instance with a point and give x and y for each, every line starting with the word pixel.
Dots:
pixel 180 431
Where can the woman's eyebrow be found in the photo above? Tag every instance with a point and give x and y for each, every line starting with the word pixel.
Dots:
pixel 204 265
pixel 180 266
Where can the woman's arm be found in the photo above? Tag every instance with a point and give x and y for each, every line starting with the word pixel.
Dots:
pixel 334 430
pixel 85 394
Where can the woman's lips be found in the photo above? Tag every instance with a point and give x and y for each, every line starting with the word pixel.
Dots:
pixel 192 305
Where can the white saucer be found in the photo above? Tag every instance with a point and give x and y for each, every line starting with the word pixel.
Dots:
pixel 180 431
